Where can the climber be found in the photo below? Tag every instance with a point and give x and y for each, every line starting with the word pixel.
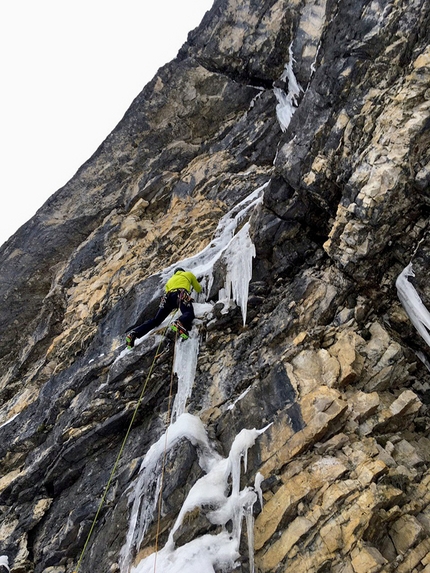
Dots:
pixel 177 295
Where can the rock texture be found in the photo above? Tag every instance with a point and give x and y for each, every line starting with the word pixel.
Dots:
pixel 328 356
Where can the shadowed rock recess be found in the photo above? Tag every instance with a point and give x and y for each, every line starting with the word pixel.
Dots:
pixel 323 106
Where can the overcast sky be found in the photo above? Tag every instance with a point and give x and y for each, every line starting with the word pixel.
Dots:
pixel 69 71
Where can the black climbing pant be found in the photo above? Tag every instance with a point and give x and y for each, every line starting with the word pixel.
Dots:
pixel 171 301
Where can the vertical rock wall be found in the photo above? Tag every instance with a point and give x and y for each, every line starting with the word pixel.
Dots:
pixel 328 356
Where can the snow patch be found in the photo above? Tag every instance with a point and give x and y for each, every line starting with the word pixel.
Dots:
pixel 4 561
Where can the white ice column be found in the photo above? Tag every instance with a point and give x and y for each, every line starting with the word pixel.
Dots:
pixel 238 258
pixel 185 364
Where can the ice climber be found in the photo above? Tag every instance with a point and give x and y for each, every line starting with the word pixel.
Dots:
pixel 177 295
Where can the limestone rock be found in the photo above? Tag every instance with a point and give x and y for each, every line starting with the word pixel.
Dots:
pixel 322 110
pixel 405 533
pixel 367 560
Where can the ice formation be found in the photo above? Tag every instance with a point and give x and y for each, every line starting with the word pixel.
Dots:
pixel 287 102
pixel 184 366
pixel 4 561
pixel 229 505
pixel 145 489
pixel 219 489
pixel 236 249
pixel 227 243
pixel 412 303
pixel 238 259
pixel 5 424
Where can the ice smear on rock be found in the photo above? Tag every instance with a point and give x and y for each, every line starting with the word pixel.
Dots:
pixel 212 552
pixel 4 561
pixel 287 103
pixel 412 303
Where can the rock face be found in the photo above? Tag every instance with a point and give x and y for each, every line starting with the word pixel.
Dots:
pixel 324 106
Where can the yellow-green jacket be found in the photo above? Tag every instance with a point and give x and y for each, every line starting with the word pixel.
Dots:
pixel 183 279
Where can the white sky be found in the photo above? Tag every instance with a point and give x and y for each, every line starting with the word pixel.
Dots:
pixel 69 71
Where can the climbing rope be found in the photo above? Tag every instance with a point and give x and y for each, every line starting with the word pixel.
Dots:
pixel 103 499
pixel 160 498
pixel 181 298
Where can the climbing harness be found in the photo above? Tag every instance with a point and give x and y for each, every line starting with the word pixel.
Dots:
pixel 103 499
pixel 184 296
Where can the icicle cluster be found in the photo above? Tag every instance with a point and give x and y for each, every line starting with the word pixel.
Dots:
pixel 220 490
pixel 146 488
pixel 239 257
pixel 235 248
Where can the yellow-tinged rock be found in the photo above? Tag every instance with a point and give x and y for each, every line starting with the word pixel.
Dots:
pixel 363 404
pixel 368 560
pixel 76 432
pixel 370 470
pixel 312 369
pixel 300 338
pixel 407 403
pixel 279 550
pixel 7 527
pixel 41 508
pixel 319 409
pixel 331 534
pixel 406 532
pixel 338 492
pixel 350 360
pixel 9 478
pixel 423 60
pixel 283 504
pixel 414 557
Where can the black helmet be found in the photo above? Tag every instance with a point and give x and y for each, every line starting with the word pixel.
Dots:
pixel 179 269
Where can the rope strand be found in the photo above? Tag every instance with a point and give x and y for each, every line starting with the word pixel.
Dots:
pixel 160 498
pixel 103 499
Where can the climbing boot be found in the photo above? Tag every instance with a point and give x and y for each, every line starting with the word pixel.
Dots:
pixel 129 339
pixel 176 326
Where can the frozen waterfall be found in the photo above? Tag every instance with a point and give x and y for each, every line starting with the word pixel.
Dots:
pixel 219 489
pixel 211 553
pixel 184 367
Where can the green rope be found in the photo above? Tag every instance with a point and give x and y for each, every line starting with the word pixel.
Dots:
pixel 119 455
